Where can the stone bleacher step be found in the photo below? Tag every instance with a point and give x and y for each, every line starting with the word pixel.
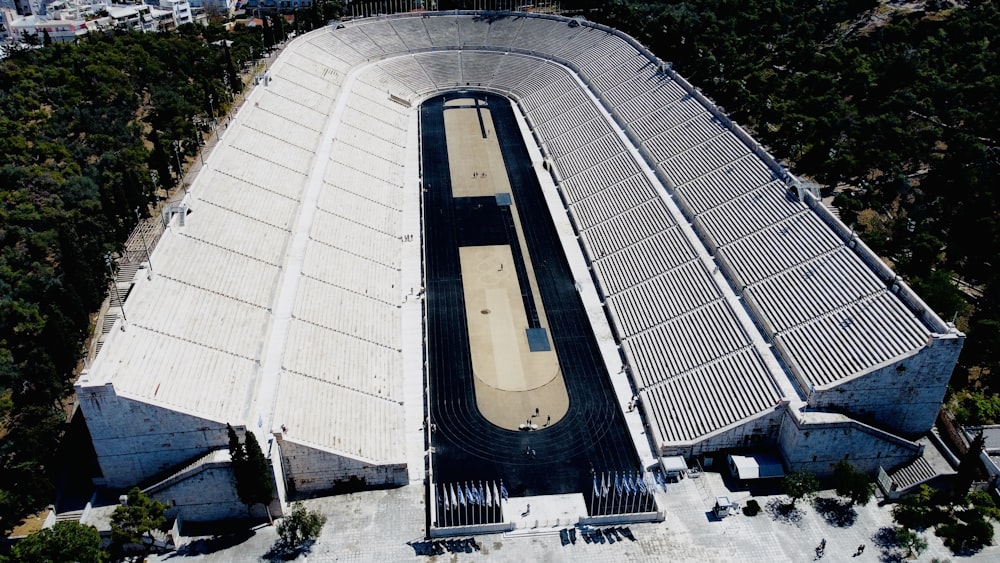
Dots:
pixel 126 272
pixel 71 516
pixel 913 473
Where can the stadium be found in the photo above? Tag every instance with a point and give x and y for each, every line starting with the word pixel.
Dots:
pixel 500 254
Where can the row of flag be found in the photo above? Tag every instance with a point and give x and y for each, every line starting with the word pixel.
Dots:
pixel 463 494
pixel 623 492
pixel 623 484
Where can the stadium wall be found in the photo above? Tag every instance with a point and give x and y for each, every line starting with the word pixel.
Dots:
pixel 137 441
pixel 758 433
pixel 816 442
pixel 208 495
pixel 310 471
pixel 903 396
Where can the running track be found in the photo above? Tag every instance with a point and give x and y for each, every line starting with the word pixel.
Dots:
pixel 467 447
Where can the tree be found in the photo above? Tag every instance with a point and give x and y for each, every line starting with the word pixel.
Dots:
pixel 912 541
pixel 853 484
pixel 299 528
pixel 78 122
pixel 66 541
pixel 966 537
pixel 982 503
pixel 267 32
pixel 969 466
pixel 254 480
pixel 278 27
pixel 237 454
pixel 135 521
pixel 917 510
pixel 800 484
pixel 232 77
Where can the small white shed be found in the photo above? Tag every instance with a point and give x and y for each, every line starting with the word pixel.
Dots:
pixel 756 466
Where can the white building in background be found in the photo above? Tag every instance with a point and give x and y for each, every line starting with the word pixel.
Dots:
pixel 7 15
pixel 181 11
pixel 59 29
pixel 280 5
pixel 225 8
pixel 67 20
pixel 33 7
pixel 128 16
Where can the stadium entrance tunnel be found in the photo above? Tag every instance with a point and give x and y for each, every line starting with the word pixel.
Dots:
pixel 519 395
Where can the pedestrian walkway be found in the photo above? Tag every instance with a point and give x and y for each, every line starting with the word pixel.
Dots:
pixel 388 525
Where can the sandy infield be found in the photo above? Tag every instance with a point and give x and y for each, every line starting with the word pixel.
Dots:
pixel 511 381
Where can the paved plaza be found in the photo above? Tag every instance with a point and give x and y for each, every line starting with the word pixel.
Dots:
pixel 389 525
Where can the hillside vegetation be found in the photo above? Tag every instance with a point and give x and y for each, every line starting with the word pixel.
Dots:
pixel 87 134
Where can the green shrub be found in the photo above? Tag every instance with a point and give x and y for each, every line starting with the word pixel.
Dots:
pixel 752 508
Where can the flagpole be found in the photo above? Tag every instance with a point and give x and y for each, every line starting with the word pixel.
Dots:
pixel 447 506
pixel 628 492
pixel 635 491
pixel 452 502
pixel 645 487
pixel 451 507
pixel 632 496
pixel 602 504
pixel 632 490
pixel 618 494
pixel 600 496
pixel 604 493
pixel 645 492
pixel 638 493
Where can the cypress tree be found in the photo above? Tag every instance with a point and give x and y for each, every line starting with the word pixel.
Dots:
pixel 969 467
pixel 254 482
